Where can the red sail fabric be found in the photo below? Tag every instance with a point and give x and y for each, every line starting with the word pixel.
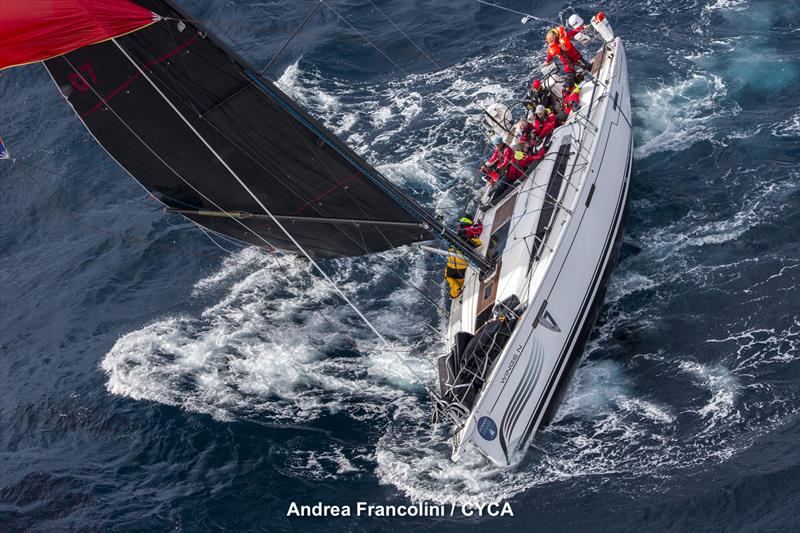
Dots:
pixel 35 30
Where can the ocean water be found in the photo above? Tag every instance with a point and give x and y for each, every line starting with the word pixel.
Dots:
pixel 152 379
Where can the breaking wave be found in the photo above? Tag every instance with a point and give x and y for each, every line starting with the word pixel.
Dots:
pixel 675 116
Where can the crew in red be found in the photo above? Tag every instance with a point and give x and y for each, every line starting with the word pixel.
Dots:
pixel 538 94
pixel 499 161
pixel 560 44
pixel 544 122
pixel 572 101
pixel 517 170
pixel 468 229
pixel 521 163
pixel 522 131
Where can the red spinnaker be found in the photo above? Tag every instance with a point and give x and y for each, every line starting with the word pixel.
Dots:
pixel 35 30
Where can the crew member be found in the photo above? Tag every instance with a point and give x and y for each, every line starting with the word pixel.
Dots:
pixel 559 42
pixel 538 95
pixel 518 169
pixel 544 122
pixel 571 102
pixel 522 163
pixel 455 272
pixel 468 229
pixel 522 134
pixel 499 161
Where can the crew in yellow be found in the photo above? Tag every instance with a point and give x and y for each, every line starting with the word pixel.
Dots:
pixel 455 272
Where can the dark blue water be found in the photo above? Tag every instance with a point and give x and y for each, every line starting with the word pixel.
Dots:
pixel 150 380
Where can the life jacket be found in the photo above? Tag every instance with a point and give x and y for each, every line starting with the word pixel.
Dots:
pixel 520 167
pixel 468 228
pixel 563 39
pixel 553 50
pixel 456 266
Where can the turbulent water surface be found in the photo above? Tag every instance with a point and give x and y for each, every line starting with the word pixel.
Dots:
pixel 150 379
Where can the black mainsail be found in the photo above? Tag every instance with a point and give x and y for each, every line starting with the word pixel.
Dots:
pixel 214 140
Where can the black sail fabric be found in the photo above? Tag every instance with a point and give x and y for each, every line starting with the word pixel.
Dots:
pixel 188 119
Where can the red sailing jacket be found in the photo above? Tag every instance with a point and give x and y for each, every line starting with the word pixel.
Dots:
pixel 501 160
pixel 564 49
pixel 519 166
pixel 570 102
pixel 543 128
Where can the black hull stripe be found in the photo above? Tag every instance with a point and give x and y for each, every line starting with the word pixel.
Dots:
pixel 522 395
pixel 588 301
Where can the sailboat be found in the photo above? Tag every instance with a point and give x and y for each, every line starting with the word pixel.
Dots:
pixel 517 334
pixel 216 141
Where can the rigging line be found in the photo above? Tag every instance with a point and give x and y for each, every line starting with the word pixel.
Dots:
pixel 283 270
pixel 76 180
pixel 389 59
pixel 353 199
pixel 269 246
pixel 186 98
pixel 78 220
pixel 218 245
pixel 52 196
pixel 149 196
pixel 408 283
pixel 277 222
pixel 330 172
pixel 479 262
pixel 292 36
pixel 358 204
pixel 429 58
pixel 528 15
pixel 392 191
pixel 229 240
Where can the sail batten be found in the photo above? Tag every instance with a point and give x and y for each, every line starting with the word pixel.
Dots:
pixel 197 126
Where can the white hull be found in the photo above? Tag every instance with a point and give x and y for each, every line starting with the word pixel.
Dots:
pixel 563 286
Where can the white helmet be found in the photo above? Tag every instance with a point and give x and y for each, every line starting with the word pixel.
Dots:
pixel 540 109
pixel 575 20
